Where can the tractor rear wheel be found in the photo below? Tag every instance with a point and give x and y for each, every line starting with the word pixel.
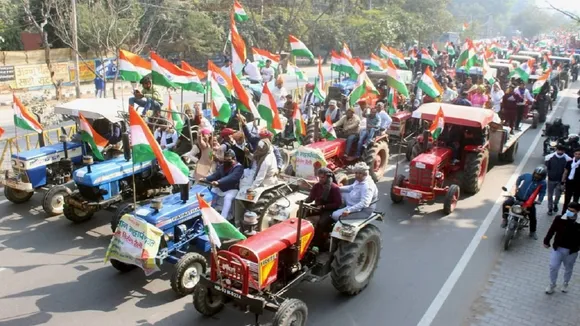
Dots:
pixel 261 208
pixel 124 208
pixel 17 196
pixel 355 262
pixel 310 136
pixel 122 267
pixel 76 215
pixel 206 301
pixel 535 120
pixel 377 158
pixel 413 150
pixel 53 200
pixel 451 198
pixel 475 169
pixel 397 183
pixel 188 270
pixel 292 312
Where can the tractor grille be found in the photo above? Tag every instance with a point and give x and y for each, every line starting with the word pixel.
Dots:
pixel 231 269
pixel 421 177
pixel 89 193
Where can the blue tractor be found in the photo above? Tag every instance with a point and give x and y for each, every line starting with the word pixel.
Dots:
pixel 179 217
pixel 49 168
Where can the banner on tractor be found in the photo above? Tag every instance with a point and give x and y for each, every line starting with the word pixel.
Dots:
pixel 307 162
pixel 135 242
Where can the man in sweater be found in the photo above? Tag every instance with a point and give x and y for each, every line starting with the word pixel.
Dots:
pixel 226 180
pixel 556 164
pixel 565 230
pixel 571 180
pixel 350 124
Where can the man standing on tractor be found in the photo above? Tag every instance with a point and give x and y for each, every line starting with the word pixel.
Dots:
pixel 333 112
pixel 526 185
pixel 386 119
pixel 449 95
pixel 147 98
pixel 279 92
pixel 360 197
pixel 308 100
pixel 268 73
pixel 350 124
pixel 368 134
pixel 226 180
pixel 527 97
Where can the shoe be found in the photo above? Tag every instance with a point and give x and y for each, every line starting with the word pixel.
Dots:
pixel 555 208
pixel 565 287
pixel 550 289
pixel 550 213
pixel 504 223
pixel 533 235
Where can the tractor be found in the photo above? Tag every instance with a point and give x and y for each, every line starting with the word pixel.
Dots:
pixel 255 274
pixel 49 168
pixel 437 162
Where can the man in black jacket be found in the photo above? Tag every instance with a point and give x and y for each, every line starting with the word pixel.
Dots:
pixel 565 230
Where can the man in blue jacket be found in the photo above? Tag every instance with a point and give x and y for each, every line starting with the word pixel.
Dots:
pixel 526 184
pixel 226 180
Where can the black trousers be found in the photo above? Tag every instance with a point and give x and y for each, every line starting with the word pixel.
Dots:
pixel 532 213
pixel 572 193
pixel 519 116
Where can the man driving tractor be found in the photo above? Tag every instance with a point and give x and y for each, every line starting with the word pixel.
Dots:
pixel 360 197
pixel 226 180
pixel 368 134
pixel 327 197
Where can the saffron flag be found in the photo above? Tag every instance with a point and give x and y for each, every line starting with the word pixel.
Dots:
pixel 24 119
pixel 216 226
pixel 438 124
pixel 91 137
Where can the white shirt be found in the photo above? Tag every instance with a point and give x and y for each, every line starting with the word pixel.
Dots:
pixel 267 74
pixel 386 120
pixel 526 95
pixel 279 95
pixel 253 72
pixel 167 139
pixel 449 95
pixel 360 195
pixel 496 99
pixel 227 70
pixel 266 176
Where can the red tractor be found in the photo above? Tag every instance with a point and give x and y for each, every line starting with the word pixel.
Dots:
pixel 462 152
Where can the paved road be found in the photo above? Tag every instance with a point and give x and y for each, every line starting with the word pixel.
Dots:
pixel 52 272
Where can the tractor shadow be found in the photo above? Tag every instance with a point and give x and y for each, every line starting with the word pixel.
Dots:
pixel 32 319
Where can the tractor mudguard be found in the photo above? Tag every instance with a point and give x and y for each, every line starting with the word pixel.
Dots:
pixel 473 148
pixel 242 195
pixel 348 229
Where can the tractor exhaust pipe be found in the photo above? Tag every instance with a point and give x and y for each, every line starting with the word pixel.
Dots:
pixel 64 142
pixel 126 146
pixel 184 191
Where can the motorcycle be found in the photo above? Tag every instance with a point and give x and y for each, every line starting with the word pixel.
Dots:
pixel 551 144
pixel 517 220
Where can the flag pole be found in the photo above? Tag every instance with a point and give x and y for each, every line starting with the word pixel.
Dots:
pixel 181 100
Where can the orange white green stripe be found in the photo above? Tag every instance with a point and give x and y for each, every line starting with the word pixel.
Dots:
pixel 299 49
pixel 165 73
pixel 346 51
pixel 319 91
pixel 220 107
pixel 395 80
pixel 132 67
pixel 438 124
pixel 299 125
pixel 224 81
pixel 537 87
pixel 239 12
pixel 243 100
pixel 173 115
pixel 429 85
pixel 427 59
pixel 187 67
pixel 269 111
pixel 91 137
pixel 261 56
pixel 216 226
pixel 23 118
pixel 327 130
pixel 238 48
pixel 377 64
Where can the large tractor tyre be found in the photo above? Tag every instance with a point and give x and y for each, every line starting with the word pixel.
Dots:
pixel 451 198
pixel 206 301
pixel 285 159
pixel 261 208
pixel 53 200
pixel 76 215
pixel 542 111
pixel 355 262
pixel 292 312
pixel 122 267
pixel 413 150
pixel 124 208
pixel 17 196
pixel 397 182
pixel 475 169
pixel 510 155
pixel 377 158
pixel 310 133
pixel 188 271
pixel 343 179
pixel 535 120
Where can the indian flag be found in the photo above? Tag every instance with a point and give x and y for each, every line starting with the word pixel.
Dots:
pixel 166 74
pixel 394 55
pixel 91 137
pixel 429 85
pixel 216 226
pixel 541 81
pixel 364 86
pixel 438 124
pixel 327 130
pixel 335 61
pixel 413 56
pixel 293 70
pixel 269 111
pixel 145 148
pixel 347 66
pixel 132 67
pixel 298 48
pixel 427 59
pixel 200 73
pixel 224 81
pixel 487 73
pixel 392 101
pixel 395 80
pixel 377 64
pixel 22 118
pixel 319 91
pixel 346 51
pixel 494 46
pixel 174 116
pixel 467 57
pixel 238 48
pixel 239 12
pixel 299 125
pixel 547 64
pixel 220 107
pixel 261 56
pixel 243 100
pixel 523 71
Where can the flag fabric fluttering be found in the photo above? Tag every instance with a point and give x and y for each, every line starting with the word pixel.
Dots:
pixel 295 71
pixel 523 71
pixel 467 57
pixel 335 61
pixel 327 130
pixel 269 110
pixel 216 226
pixel 299 125
pixel 395 81
pixel 132 67
pixel 392 101
pixel 239 12
pixel 91 137
pixel 261 56
pixel 23 118
pixel 319 91
pixel 429 84
pixel 346 51
pixel 243 100
pixel 165 73
pixel 174 116
pixel 465 26
pixel 537 87
pixel 238 48
pixel 488 73
pixel 145 148
pixel 187 67
pixel 220 107
pixel 299 49
pixel 377 64
pixel 438 124
pixel 224 81
pixel 427 59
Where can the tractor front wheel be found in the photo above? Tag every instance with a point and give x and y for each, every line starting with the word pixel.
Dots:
pixel 475 169
pixel 261 208
pixel 76 215
pixel 292 312
pixel 17 196
pixel 122 267
pixel 451 198
pixel 397 183
pixel 53 200
pixel 188 270
pixel 206 301
pixel 355 262
pixel 124 208
pixel 377 158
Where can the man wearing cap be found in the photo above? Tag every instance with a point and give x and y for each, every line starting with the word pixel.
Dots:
pixel 333 112
pixel 360 197
pixel 253 142
pixel 226 180
pixel 350 124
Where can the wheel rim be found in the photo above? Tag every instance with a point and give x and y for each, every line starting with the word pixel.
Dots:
pixel 365 261
pixel 297 318
pixel 191 276
pixel 57 201
pixel 19 194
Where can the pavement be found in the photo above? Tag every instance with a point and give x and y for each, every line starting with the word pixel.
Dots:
pixel 434 270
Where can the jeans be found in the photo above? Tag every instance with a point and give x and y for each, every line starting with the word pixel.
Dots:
pixel 229 197
pixel 531 213
pixel 554 193
pixel 366 136
pixel 557 258
pixel 363 214
pixel 572 192
pixel 145 103
pixel 519 116
pixel 98 93
pixel 349 142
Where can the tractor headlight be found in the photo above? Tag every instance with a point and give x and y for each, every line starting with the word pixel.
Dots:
pixel 553 143
pixel 168 236
pixel 517 209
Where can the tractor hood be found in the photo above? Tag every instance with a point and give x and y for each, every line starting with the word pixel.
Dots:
pixel 330 148
pixel 174 211
pixel 105 172
pixel 432 158
pixel 46 155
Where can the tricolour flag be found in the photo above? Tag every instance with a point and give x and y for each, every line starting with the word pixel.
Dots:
pixel 394 80
pixel 216 226
pixel 427 59
pixel 224 81
pixel 269 111
pixel 261 56
pixel 523 71
pixel 392 101
pixel 145 148
pixel 377 64
pixel 467 57
pixel 174 116
pixel 239 12
pixel 487 73
pixel 299 125
pixel 298 48
pixel 364 87
pixel 293 70
pixel 22 118
pixel 412 56
pixel 238 48
pixel 187 67
pixel 348 66
pixel 465 27
pixel 327 130
pixel 319 91
pixel 220 107
pixel 429 85
pixel 346 51
pixel 167 74
pixel 394 55
pixel 243 100
pixel 91 137
pixel 132 67
pixel 438 124
pixel 335 61
pixel 541 81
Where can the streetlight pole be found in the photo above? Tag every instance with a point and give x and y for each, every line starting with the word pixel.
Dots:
pixel 73 6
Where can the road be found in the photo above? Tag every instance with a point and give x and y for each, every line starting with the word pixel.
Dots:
pixel 433 267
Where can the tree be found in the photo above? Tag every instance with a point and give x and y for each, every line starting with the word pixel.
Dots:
pixel 10 26
pixel 566 13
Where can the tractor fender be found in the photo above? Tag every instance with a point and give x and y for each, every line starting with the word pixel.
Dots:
pixel 242 195
pixel 473 148
pixel 358 224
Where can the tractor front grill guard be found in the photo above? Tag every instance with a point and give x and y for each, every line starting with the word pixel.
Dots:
pixel 231 267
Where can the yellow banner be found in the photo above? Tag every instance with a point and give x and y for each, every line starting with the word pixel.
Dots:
pixel 86 69
pixel 39 75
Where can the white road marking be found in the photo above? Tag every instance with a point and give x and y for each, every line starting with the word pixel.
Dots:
pixel 445 291
pixel 2 269
pixel 3 201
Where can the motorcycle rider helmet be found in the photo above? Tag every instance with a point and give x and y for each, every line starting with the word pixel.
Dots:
pixel 540 173
pixel 573 138
pixel 557 122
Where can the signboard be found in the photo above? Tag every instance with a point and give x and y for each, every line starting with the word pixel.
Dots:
pixel 307 161
pixel 39 75
pixel 108 68
pixel 6 73
pixel 135 242
pixel 86 69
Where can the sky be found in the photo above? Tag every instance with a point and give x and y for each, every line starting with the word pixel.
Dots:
pixel 569 5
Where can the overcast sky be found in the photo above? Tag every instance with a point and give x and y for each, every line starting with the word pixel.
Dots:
pixel 570 5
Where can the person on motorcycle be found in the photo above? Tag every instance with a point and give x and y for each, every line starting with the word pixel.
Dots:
pixel 367 134
pixel 225 180
pixel 148 98
pixel 556 129
pixel 526 185
pixel 333 112
pixel 571 180
pixel 327 197
pixel 350 124
pixel 360 197
pixel 528 99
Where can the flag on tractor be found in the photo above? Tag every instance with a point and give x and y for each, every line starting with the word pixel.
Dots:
pixel 269 110
pixel 438 124
pixel 488 73
pixel 238 48
pixel 298 48
pixel 494 46
pixel 346 51
pixel 429 85
pixel 261 56
pixel 216 226
pixel 24 119
pixel 537 87
pixel 523 71
pixel 293 70
pixel 174 116
pixel 364 87
pixel 377 64
pixel 200 73
pixel 395 80
pixel 224 81
pixel 91 137
pixel 319 83
pixel 393 101
pixel 239 12
pixel 145 148
pixel 165 73
pixel 547 64
pixel 427 59
pixel 394 55
pixel 335 59
pixel 220 107
pixel 132 67
pixel 243 100
pixel 327 130
pixel 299 125
pixel 467 57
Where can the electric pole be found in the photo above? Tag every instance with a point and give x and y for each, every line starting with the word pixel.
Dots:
pixel 75 41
